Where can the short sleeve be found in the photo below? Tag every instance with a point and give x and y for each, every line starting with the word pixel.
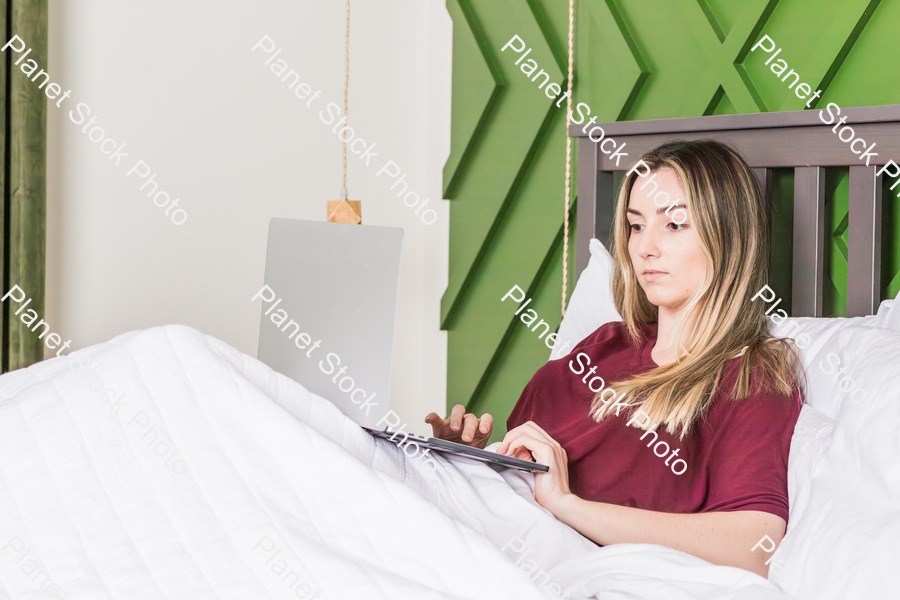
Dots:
pixel 747 463
pixel 522 412
pixel 524 409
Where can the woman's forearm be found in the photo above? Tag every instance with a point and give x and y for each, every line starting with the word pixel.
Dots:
pixel 722 538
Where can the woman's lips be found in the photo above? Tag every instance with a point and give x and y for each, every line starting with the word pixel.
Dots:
pixel 651 275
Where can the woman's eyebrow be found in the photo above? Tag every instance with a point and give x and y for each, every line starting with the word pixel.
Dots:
pixel 659 211
pixel 664 209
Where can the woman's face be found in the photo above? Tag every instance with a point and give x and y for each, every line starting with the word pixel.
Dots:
pixel 664 248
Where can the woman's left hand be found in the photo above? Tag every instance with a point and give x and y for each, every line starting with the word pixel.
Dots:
pixel 550 487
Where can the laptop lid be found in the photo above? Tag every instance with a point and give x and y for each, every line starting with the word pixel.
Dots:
pixel 328 309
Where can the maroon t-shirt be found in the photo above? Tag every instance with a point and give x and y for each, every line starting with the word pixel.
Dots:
pixel 734 459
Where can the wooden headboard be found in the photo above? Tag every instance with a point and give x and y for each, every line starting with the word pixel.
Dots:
pixel 797 139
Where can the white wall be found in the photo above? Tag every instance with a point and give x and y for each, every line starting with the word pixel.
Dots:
pixel 177 82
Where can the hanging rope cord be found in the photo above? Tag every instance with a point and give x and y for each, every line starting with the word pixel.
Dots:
pixel 346 85
pixel 568 157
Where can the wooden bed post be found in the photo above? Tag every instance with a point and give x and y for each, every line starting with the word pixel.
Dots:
pixel 809 242
pixel 595 203
pixel 864 249
pixel 586 207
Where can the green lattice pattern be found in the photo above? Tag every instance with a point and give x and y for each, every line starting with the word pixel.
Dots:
pixel 640 59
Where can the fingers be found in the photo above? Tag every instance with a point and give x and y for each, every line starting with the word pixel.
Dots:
pixel 470 425
pixel 509 447
pixel 530 429
pixel 533 429
pixel 456 417
pixel 512 435
pixel 523 454
pixel 436 422
pixel 510 438
pixel 461 423
pixel 487 423
pixel 530 444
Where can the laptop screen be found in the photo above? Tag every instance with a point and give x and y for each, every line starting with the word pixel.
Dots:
pixel 329 303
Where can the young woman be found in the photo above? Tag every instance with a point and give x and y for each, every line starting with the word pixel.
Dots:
pixel 692 364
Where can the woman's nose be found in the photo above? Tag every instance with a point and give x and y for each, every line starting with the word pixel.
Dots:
pixel 649 243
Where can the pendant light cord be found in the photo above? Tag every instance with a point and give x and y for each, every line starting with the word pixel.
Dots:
pixel 565 264
pixel 346 85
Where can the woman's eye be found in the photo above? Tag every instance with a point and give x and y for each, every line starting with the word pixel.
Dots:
pixel 635 227
pixel 677 226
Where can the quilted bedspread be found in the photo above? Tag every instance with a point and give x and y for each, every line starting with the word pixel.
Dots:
pixel 166 464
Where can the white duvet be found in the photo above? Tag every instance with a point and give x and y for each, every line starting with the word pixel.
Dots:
pixel 201 473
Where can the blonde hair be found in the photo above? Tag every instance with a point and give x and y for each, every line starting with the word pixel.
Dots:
pixel 729 214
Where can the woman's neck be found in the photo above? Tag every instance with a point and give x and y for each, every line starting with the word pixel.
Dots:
pixel 663 351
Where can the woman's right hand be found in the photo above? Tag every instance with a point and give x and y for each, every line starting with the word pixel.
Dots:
pixel 462 427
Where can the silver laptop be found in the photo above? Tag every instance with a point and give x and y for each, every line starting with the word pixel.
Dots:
pixel 329 303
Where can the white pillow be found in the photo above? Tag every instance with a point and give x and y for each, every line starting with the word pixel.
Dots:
pixel 887 316
pixel 812 436
pixel 818 332
pixel 842 537
pixel 591 304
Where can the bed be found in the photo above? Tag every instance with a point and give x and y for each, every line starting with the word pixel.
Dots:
pixel 166 464
pixel 844 471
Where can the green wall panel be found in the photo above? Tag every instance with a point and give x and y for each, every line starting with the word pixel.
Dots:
pixel 641 59
pixel 483 85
